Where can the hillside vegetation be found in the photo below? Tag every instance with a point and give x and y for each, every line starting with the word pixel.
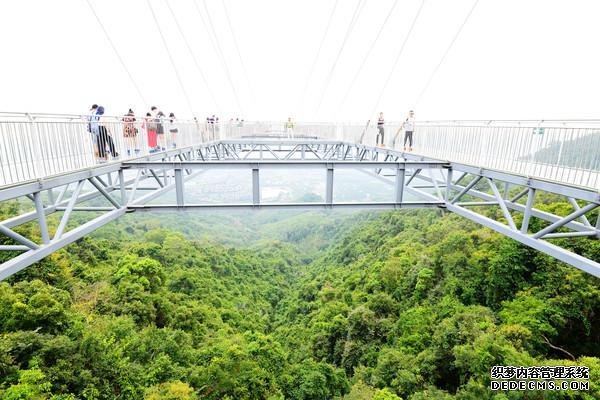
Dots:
pixel 363 306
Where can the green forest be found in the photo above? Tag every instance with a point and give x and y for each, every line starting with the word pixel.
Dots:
pixel 412 305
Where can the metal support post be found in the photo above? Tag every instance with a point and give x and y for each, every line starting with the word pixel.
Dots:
pixel 19 238
pixel 399 184
pixel 255 186
pixel 179 186
pixel 466 189
pixel 502 204
pixel 448 184
pixel 157 178
pixel 68 210
pixel 104 192
pixel 122 187
pixel 519 195
pixel 528 207
pixel 583 218
pixel 329 185
pixel 10 247
pixel 566 219
pixel 51 199
pixel 41 217
pixel 417 171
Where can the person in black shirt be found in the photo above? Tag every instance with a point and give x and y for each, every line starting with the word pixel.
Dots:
pixel 104 139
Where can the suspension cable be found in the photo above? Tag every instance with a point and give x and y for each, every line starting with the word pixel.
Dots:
pixel 239 53
pixel 217 48
pixel 195 60
pixel 182 86
pixel 312 68
pixel 112 44
pixel 355 15
pixel 364 61
pixel 389 77
pixel 445 53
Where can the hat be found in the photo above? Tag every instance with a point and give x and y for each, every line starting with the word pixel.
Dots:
pixel 94 106
pixel 100 110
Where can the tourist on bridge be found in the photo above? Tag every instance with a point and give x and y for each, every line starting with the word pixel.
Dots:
pixel 160 131
pixel 289 127
pixel 210 126
pixel 130 133
pixel 380 131
pixel 199 130
pixel 409 127
pixel 150 126
pixel 173 129
pixel 93 127
pixel 104 138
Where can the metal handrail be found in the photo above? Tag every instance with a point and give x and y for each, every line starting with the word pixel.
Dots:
pixel 36 145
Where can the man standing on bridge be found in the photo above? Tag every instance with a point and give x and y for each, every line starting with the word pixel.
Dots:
pixel 380 131
pixel 409 127
pixel 289 128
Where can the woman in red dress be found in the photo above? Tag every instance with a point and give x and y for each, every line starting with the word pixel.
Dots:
pixel 151 127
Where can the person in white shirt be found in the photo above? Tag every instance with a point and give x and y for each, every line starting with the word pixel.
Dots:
pixel 409 127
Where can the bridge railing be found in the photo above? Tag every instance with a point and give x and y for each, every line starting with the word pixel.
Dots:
pixel 34 146
pixel 566 151
pixel 38 145
pixel 562 152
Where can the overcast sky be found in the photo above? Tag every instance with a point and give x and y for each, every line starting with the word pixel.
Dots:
pixel 514 59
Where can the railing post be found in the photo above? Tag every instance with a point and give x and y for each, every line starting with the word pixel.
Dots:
pixel 37 148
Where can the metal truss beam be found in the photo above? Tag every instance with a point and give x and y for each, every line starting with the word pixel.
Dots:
pixel 428 180
pixel 288 164
pixel 294 206
pixel 535 240
pixel 24 260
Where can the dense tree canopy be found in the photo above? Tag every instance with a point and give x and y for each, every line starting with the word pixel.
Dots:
pixel 409 305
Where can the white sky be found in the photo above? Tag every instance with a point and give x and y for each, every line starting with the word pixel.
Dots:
pixel 515 59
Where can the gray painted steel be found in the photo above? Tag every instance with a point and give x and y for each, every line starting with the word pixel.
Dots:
pixel 429 180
